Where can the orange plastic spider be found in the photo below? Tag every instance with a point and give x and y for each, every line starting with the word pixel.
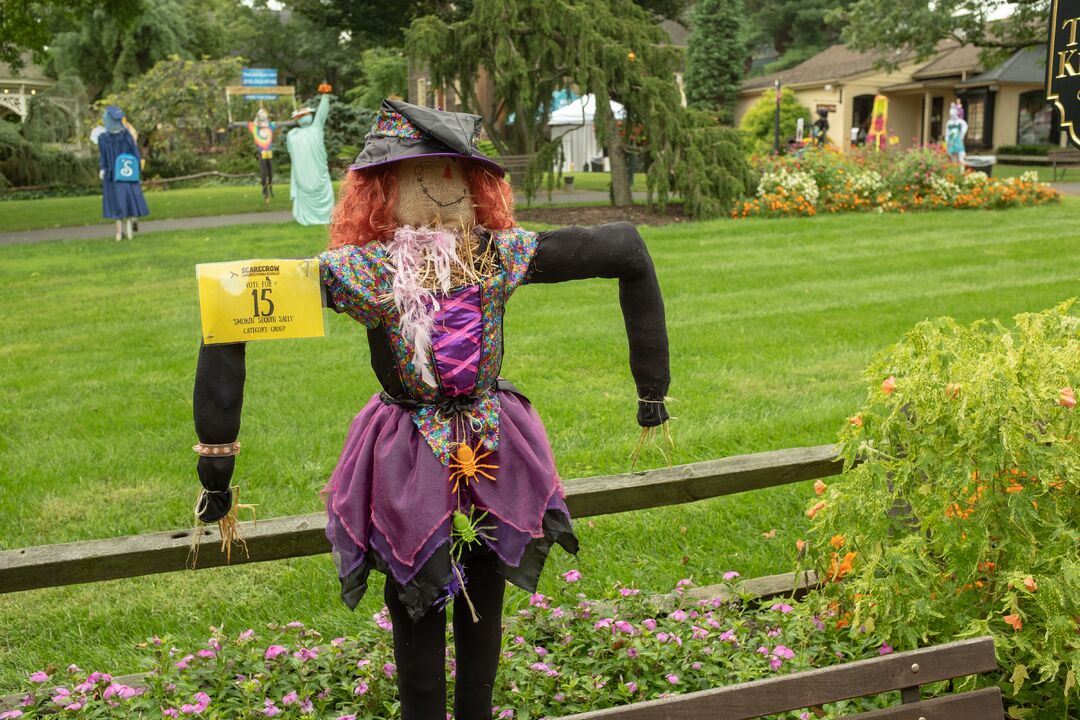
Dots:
pixel 466 465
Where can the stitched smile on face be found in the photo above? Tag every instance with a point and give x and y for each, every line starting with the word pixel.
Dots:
pixel 438 201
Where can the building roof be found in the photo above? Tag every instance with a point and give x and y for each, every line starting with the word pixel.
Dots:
pixel 834 63
pixel 29 73
pixel 954 60
pixel 1026 66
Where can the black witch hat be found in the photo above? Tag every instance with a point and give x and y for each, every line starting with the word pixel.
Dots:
pixel 403 131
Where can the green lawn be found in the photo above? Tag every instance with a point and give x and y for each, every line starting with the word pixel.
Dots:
pixel 17 215
pixel 164 205
pixel 771 322
pixel 1045 172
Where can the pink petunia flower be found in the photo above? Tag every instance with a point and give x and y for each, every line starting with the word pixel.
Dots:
pixel 540 651
pixel 782 607
pixel 389 669
pixel 649 624
pixel 360 689
pixel 338 641
pixel 628 592
pixel 632 687
pixel 295 625
pixel 885 649
pixel 571 576
pixel 306 654
pixel 783 651
pixel 678 615
pixel 39 677
pixel 730 575
pixel 631 652
pixel 274 651
pixel 672 678
pixel 290 698
pixel 246 635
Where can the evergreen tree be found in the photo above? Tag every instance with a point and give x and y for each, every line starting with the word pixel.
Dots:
pixel 612 49
pixel 716 56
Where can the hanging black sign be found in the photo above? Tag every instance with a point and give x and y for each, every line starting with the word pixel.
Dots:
pixel 1063 64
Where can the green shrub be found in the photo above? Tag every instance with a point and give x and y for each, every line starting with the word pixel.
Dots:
pixel 963 518
pixel 23 163
pixel 1041 150
pixel 758 124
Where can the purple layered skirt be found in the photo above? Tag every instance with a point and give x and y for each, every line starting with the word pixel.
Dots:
pixel 389 504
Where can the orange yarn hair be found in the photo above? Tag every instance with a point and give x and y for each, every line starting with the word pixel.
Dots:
pixel 365 211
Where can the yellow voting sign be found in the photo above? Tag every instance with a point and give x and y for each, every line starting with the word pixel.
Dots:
pixel 247 300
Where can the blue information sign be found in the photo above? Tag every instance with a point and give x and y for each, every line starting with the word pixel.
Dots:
pixel 259 77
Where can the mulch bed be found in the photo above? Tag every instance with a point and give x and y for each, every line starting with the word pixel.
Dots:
pixel 599 214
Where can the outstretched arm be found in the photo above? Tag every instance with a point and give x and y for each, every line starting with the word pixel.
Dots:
pixel 322 111
pixel 218 400
pixel 617 251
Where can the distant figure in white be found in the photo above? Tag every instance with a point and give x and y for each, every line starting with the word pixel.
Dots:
pixel 955 132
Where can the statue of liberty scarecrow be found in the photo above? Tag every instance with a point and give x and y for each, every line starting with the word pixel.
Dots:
pixel 446 483
pixel 309 185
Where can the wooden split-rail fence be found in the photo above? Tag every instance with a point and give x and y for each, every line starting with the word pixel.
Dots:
pixel 302 535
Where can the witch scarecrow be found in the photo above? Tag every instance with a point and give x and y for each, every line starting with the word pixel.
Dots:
pixel 309 184
pixel 120 170
pixel 446 483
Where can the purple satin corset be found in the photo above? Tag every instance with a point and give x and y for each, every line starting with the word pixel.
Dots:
pixel 455 340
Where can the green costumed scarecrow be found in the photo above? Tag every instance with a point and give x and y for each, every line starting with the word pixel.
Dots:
pixel 310 188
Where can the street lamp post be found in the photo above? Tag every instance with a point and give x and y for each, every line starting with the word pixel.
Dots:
pixel 776 124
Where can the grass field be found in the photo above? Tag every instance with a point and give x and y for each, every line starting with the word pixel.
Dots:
pixel 771 322
pixel 16 215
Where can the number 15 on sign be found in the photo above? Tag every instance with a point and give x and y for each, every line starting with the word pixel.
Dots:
pixel 248 300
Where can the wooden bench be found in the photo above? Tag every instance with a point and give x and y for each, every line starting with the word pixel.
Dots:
pixel 905 671
pixel 1065 157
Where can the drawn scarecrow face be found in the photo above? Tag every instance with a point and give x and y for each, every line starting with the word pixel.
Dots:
pixel 434 191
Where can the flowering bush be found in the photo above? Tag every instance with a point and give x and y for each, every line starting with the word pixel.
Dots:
pixel 963 518
pixel 561 655
pixel 891 181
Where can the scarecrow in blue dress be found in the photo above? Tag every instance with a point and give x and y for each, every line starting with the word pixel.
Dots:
pixel 120 172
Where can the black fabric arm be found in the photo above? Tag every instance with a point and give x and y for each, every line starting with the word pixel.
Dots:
pixel 218 400
pixel 617 250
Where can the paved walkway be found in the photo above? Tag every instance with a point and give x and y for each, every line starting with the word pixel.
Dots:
pixel 106 230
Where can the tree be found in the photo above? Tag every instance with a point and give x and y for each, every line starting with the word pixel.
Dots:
pixel 916 27
pixel 178 105
pixel 716 56
pixel 107 51
pixel 759 123
pixel 707 167
pixel 612 49
pixel 796 29
pixel 373 22
pixel 28 26
pixel 383 72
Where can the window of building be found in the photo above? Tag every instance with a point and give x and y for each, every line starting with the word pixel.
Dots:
pixel 937 118
pixel 979 113
pixel 1037 124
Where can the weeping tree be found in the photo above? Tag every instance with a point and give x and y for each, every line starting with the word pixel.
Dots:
pixel 530 49
pixel 612 49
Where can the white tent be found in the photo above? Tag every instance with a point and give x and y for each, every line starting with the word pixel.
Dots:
pixel 574 124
